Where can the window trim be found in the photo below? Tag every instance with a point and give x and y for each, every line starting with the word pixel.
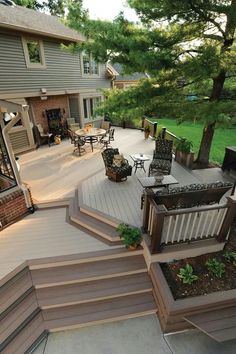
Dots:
pixel 90 61
pixel 88 106
pixel 30 65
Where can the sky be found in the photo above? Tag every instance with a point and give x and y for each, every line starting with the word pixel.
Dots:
pixel 108 9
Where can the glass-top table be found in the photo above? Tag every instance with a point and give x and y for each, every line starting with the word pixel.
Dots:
pixel 91 133
pixel 152 182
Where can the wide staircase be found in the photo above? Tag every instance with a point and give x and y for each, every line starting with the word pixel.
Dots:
pixel 73 291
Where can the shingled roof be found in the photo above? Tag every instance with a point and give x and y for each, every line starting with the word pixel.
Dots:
pixel 124 77
pixel 26 20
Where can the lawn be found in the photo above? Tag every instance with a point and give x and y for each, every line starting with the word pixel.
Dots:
pixel 222 137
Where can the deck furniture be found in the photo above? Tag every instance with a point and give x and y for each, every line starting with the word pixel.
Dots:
pixel 105 125
pixel 111 133
pixel 77 142
pixel 117 174
pixel 72 124
pixel 192 195
pixel 42 137
pixel 229 162
pixel 90 134
pixel 162 157
pixel 139 160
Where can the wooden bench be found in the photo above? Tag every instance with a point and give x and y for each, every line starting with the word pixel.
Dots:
pixel 192 195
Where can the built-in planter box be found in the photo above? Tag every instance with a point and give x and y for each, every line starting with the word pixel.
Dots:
pixel 184 159
pixel 172 312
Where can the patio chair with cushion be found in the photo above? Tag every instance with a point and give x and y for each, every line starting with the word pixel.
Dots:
pixel 162 157
pixel 117 168
pixel 72 124
pixel 42 137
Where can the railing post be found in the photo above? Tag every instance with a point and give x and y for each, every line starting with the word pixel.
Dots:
pixel 163 133
pixel 154 130
pixel 158 222
pixel 228 220
pixel 147 195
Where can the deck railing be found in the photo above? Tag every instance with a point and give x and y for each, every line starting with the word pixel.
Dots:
pixel 186 225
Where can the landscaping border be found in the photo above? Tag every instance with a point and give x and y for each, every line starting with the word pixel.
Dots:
pixel 172 312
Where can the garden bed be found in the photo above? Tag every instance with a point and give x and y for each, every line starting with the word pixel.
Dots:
pixel 206 283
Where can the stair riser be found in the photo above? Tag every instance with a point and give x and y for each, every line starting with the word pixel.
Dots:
pixel 93 229
pixel 148 290
pixel 100 216
pixel 108 320
pixel 46 285
pixel 88 260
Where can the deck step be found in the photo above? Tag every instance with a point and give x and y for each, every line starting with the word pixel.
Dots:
pixel 78 273
pixel 85 257
pixel 110 310
pixel 67 295
pixel 22 339
pixel 95 225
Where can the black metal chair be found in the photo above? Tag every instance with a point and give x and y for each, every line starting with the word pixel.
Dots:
pixel 162 157
pixel 117 174
pixel 77 142
pixel 111 134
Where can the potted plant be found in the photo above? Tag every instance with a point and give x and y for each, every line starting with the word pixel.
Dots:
pixel 147 131
pixel 184 154
pixel 131 236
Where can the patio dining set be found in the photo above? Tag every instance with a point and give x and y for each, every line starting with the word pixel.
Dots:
pixel 90 135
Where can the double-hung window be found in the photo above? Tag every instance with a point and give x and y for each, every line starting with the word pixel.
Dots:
pixel 90 66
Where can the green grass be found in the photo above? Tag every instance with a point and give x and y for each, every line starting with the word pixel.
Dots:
pixel 222 137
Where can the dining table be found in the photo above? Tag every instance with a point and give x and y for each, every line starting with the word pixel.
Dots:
pixel 90 134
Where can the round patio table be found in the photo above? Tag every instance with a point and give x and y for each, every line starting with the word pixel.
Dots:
pixel 90 133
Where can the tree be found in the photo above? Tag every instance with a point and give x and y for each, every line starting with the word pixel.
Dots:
pixel 54 7
pixel 185 46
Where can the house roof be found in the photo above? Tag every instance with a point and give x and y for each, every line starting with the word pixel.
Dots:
pixel 132 77
pixel 26 20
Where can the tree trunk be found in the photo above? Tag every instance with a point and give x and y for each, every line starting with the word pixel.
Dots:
pixel 205 146
pixel 202 160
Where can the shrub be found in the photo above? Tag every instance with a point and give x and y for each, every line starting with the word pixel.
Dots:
pixel 230 256
pixel 215 267
pixel 184 145
pixel 186 274
pixel 131 236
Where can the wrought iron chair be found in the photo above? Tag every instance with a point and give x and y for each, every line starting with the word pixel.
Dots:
pixel 162 157
pixel 76 141
pixel 111 134
pixel 117 174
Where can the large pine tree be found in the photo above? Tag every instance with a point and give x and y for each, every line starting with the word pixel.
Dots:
pixel 186 46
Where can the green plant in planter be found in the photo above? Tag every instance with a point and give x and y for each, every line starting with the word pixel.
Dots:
pixel 131 236
pixel 184 145
pixel 215 267
pixel 186 274
pixel 230 256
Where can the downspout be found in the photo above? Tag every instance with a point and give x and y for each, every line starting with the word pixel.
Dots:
pixel 5 131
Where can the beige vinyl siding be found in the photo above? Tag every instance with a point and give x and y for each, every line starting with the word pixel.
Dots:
pixel 62 72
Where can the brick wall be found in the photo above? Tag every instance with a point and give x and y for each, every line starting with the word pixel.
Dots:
pixel 12 206
pixel 39 107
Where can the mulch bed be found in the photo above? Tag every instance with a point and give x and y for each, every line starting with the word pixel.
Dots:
pixel 207 283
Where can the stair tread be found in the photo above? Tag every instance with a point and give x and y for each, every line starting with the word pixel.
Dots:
pixel 99 311
pixel 83 271
pixel 80 257
pixel 90 291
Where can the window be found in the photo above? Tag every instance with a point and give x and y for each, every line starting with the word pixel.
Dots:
pixel 90 66
pixel 34 53
pixel 89 105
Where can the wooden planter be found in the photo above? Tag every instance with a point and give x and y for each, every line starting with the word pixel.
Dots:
pixel 171 312
pixel 185 159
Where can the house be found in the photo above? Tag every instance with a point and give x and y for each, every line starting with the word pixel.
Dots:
pixel 36 70
pixel 121 80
